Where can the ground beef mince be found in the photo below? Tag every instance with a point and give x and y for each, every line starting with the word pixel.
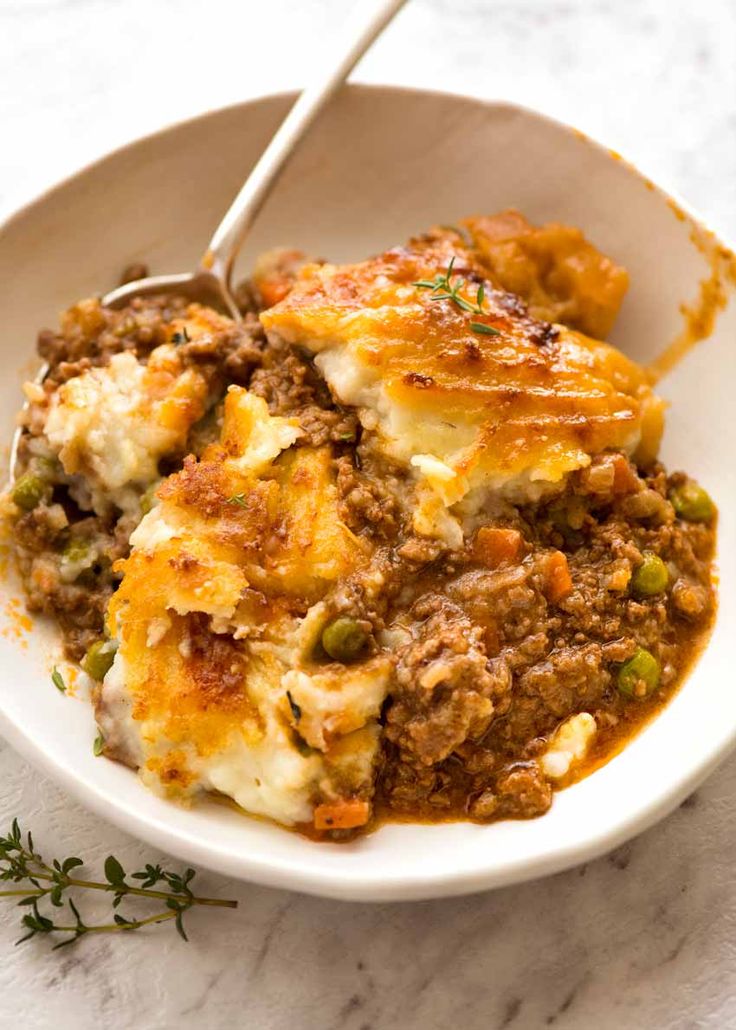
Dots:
pixel 444 686
pixel 497 662
pixel 291 386
pixel 91 333
pixel 593 600
pixel 370 493
pixel 229 355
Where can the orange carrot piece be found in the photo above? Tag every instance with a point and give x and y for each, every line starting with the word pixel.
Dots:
pixel 495 545
pixel 273 289
pixel 491 640
pixel 342 815
pixel 625 480
pixel 559 580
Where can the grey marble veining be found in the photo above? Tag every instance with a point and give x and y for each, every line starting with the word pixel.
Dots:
pixel 644 938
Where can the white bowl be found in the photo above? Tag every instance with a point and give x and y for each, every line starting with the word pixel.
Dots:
pixel 382 164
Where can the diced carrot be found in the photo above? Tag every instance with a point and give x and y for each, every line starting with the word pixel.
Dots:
pixel 342 815
pixel 494 545
pixel 273 289
pixel 625 480
pixel 274 273
pixel 559 580
pixel 491 640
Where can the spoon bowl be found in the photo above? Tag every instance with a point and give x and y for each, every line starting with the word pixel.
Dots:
pixel 200 286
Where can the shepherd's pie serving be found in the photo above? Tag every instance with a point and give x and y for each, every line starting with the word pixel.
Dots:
pixel 397 544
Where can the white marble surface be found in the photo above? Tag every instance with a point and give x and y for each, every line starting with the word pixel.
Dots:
pixel 645 938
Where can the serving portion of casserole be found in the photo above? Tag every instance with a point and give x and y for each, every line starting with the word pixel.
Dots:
pixel 397 544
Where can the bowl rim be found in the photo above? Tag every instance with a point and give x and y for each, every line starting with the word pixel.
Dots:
pixel 14 212
pixel 350 884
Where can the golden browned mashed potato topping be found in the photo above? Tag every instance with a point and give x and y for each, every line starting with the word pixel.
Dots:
pixel 396 544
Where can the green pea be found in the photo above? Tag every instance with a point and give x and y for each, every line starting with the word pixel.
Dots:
pixel 650 576
pixel 77 559
pixel 638 677
pixel 99 658
pixel 692 502
pixel 29 491
pixel 344 638
pixel 76 549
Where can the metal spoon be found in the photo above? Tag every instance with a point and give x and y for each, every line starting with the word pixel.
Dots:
pixel 210 282
pixel 211 278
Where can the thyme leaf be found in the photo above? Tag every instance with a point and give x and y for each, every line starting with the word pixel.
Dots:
pixel 485 330
pixel 58 680
pixel 443 288
pixel 296 710
pixel 181 336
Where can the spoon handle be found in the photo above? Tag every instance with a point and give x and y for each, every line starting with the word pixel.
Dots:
pixel 222 251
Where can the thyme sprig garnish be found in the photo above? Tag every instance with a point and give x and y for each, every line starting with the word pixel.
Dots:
pixel 239 500
pixel 21 864
pixel 443 288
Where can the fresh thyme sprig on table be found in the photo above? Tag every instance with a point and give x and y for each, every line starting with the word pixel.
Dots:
pixel 443 288
pixel 20 863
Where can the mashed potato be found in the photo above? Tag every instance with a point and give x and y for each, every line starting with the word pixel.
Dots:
pixel 214 685
pixel 113 424
pixel 568 745
pixel 510 408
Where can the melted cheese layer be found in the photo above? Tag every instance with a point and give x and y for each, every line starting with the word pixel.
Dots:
pixel 215 685
pixel 512 409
